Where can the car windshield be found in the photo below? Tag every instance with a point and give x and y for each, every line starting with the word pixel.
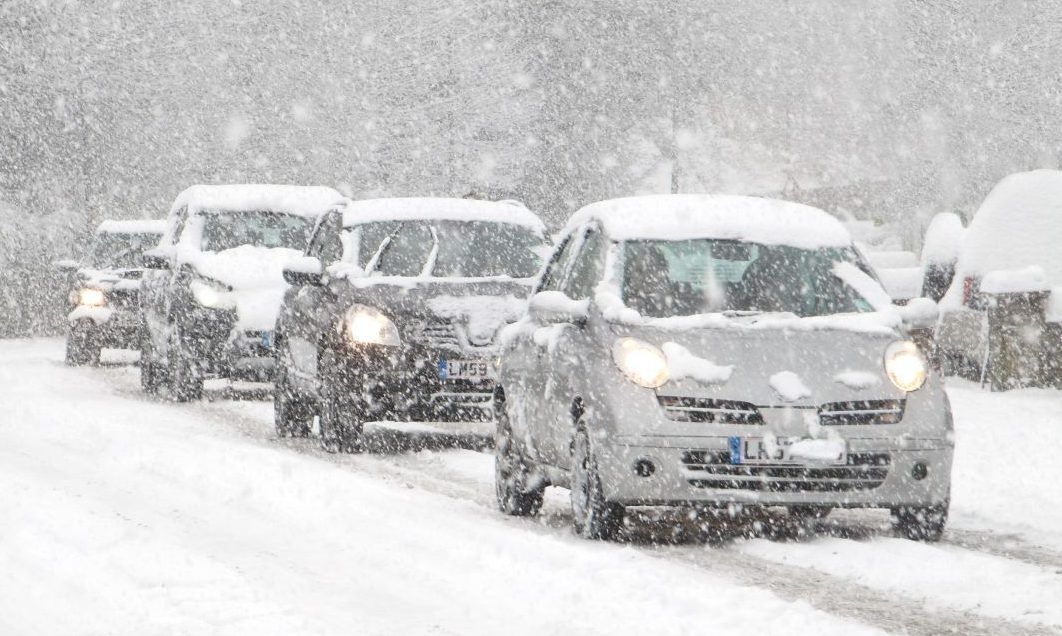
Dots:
pixel 121 251
pixel 466 249
pixel 682 278
pixel 226 230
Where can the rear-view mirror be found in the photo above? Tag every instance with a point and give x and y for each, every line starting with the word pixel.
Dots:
pixel 552 307
pixel 305 270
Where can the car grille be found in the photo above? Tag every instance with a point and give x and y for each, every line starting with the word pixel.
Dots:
pixel 437 334
pixel 687 409
pixel 861 412
pixel 864 471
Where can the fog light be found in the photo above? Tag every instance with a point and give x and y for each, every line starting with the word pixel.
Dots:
pixel 644 468
pixel 919 471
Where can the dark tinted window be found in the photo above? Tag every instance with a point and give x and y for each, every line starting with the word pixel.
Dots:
pixel 121 251
pixel 226 230
pixel 407 251
pixel 554 276
pixel 367 239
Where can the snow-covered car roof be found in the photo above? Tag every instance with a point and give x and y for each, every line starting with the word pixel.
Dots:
pixel 1019 225
pixel 685 216
pixel 432 208
pixel 132 226
pixel 944 238
pixel 299 200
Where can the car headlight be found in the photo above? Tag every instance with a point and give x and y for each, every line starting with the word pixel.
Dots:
pixel 906 365
pixel 90 297
pixel 211 294
pixel 642 363
pixel 368 325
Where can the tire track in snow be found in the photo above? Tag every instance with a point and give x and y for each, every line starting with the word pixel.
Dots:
pixel 836 595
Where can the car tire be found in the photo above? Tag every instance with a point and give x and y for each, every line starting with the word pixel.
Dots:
pixel 921 523
pixel 152 375
pixel 512 472
pixel 291 416
pixel 342 414
pixel 184 373
pixel 83 345
pixel 593 517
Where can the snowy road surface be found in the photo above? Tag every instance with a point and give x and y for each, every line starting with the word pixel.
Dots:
pixel 123 514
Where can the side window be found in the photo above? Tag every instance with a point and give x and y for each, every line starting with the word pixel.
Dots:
pixel 326 242
pixel 588 267
pixel 407 252
pixel 178 228
pixel 554 275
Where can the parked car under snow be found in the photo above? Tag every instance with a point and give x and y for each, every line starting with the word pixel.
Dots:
pixel 216 282
pixel 1001 318
pixel 720 353
pixel 403 323
pixel 104 304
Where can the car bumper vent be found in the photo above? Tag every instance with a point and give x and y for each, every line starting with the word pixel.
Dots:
pixel 712 469
pixel 687 409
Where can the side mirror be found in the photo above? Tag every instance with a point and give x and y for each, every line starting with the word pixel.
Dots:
pixel 920 313
pixel 305 270
pixel 66 265
pixel 151 260
pixel 552 307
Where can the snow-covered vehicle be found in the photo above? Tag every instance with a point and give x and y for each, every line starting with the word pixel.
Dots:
pixel 717 352
pixel 104 304
pixel 1001 318
pixel 216 282
pixel 402 322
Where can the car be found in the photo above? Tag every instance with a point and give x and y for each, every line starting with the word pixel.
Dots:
pixel 215 282
pixel 103 304
pixel 721 354
pixel 395 310
pixel 1001 318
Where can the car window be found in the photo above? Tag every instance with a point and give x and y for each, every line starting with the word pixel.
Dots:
pixel 366 240
pixel 554 275
pixel 182 217
pixel 588 267
pixel 407 252
pixel 481 249
pixel 223 230
pixel 327 244
pixel 120 251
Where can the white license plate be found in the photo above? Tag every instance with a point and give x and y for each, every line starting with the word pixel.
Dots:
pixel 267 339
pixel 787 450
pixel 466 370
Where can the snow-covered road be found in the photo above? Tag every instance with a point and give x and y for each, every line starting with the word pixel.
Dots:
pixel 122 514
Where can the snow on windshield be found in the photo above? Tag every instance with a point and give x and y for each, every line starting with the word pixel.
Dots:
pixel 226 230
pixel 120 251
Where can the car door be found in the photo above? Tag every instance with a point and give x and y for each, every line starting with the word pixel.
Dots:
pixel 540 399
pixel 569 345
pixel 307 309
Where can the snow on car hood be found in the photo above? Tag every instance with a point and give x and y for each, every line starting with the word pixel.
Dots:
pixel 256 276
pixel 778 367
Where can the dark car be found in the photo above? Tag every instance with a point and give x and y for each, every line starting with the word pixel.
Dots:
pixel 104 305
pixel 403 322
pixel 216 283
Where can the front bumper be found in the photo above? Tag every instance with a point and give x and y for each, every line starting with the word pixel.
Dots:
pixel 229 352
pixel 878 474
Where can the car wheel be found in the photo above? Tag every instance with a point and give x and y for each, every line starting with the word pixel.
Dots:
pixel 592 516
pixel 151 373
pixel 185 374
pixel 342 414
pixel 921 523
pixel 511 472
pixel 290 414
pixel 82 344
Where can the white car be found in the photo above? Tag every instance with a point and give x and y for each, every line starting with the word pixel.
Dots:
pixel 1001 318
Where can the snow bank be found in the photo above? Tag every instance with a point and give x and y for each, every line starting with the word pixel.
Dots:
pixel 789 386
pixel 300 200
pixel 423 208
pixel 684 216
pixel 683 364
pixel 1013 281
pixel 943 241
pixel 132 226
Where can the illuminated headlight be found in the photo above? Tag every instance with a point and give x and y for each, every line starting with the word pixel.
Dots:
pixel 906 365
pixel 642 363
pixel 212 295
pixel 368 325
pixel 90 297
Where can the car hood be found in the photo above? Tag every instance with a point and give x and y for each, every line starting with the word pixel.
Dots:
pixel 477 309
pixel 775 367
pixel 256 277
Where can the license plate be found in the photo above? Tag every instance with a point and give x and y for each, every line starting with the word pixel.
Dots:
pixel 267 339
pixel 466 370
pixel 787 450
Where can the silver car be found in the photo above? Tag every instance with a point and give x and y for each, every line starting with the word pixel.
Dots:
pixel 717 353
